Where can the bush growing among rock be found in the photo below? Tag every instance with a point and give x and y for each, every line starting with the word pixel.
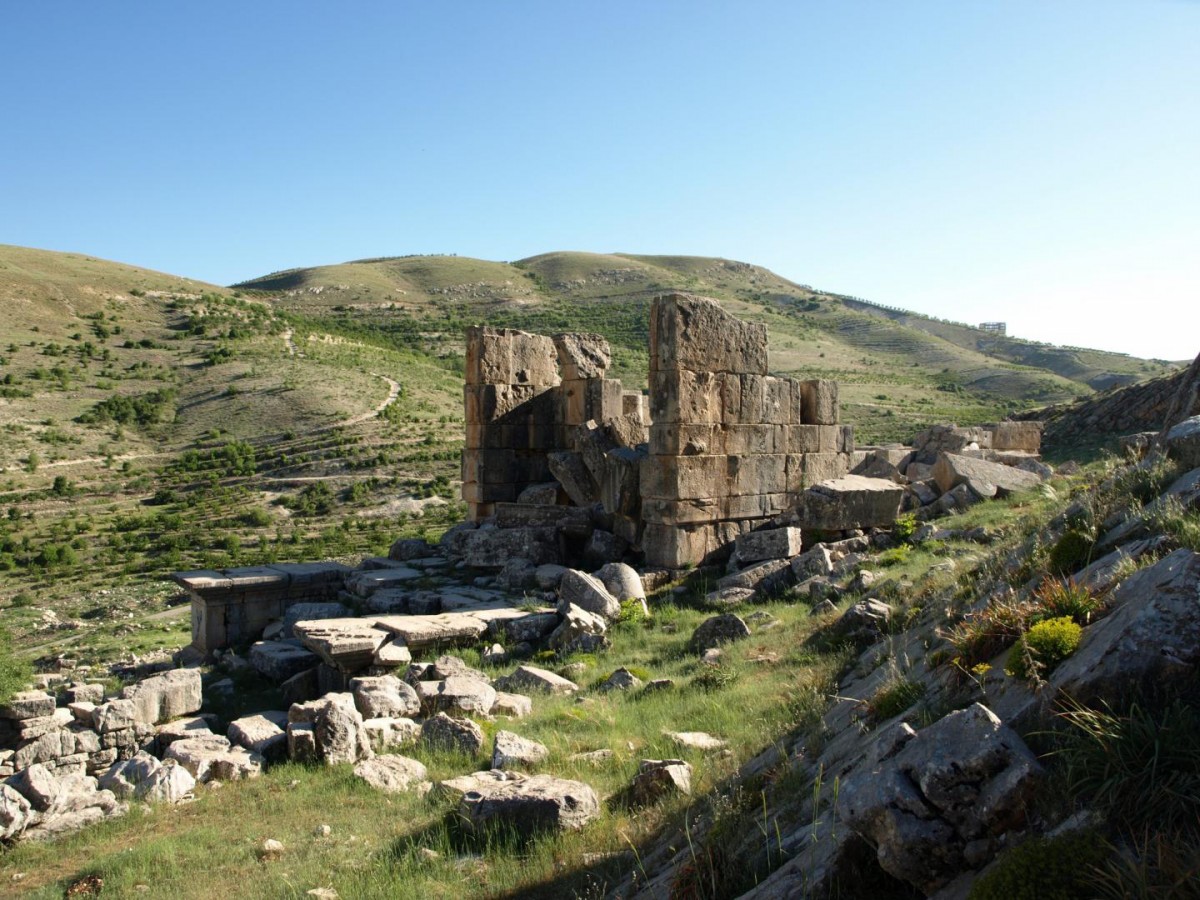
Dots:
pixel 1044 646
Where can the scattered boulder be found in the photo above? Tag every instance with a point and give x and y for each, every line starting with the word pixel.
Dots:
pixel 926 795
pixel 530 805
pixel 622 581
pixel 579 631
pixel 518 706
pixel 864 622
pixel 406 549
pixel 658 778
pixel 549 575
pixel 697 740
pixel 384 696
pixel 533 679
pixel 339 733
pixel 392 774
pixel 587 592
pixel 458 692
pixel 620 680
pixel 510 750
pixel 717 630
pixel 444 732
pixel 1183 443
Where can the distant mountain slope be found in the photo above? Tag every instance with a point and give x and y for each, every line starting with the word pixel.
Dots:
pixel 890 362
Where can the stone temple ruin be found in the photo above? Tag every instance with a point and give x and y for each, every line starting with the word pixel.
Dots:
pixel 718 448
pixel 569 478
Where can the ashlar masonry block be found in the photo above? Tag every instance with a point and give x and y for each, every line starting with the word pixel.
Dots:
pixel 682 396
pixel 684 477
pixel 506 356
pixel 819 402
pixel 749 475
pixel 686 440
pixel 694 333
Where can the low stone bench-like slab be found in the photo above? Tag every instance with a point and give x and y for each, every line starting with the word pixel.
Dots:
pixel 231 606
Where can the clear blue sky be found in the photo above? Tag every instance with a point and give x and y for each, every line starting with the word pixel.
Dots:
pixel 1034 162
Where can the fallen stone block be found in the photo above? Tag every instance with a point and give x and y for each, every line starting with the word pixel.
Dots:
pixel 951 470
pixel 392 774
pixel 529 805
pixel 768 543
pixel 214 758
pixel 851 501
pixel 533 679
pixel 658 778
pixel 384 696
pixel 444 732
pixel 263 733
pixel 510 751
pixel 587 592
pixel 279 660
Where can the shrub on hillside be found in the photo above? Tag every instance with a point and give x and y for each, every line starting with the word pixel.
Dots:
pixel 1044 646
pixel 139 409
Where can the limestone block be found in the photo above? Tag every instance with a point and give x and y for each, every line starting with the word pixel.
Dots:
pixel 28 705
pixel 951 470
pixel 777 401
pixel 491 548
pixel 769 543
pixel 489 402
pixel 590 398
pixel 845 441
pixel 851 501
pixel 675 547
pixel 682 396
pixel 505 356
pixel 820 467
pixel 768 576
pixel 683 512
pixel 568 469
pixel 620 485
pixel 828 438
pixel 627 430
pixel 676 439
pixel 689 332
pixel 819 402
pixel 803 439
pixel 746 440
pixel 633 404
pixel 754 506
pixel 752 475
pixel 1026 436
pixel 684 477
pixel 528 806
pixel 582 355
pixel 571 520
pixel 753 391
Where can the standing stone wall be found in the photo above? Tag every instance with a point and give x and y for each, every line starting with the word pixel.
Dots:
pixel 730 445
pixel 511 415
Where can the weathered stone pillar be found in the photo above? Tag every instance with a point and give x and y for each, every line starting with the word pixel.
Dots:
pixel 511 414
